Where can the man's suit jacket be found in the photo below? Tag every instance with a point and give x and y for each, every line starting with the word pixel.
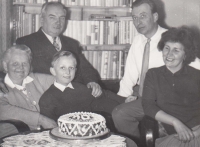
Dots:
pixel 43 51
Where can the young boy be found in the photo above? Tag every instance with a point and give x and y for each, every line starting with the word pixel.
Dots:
pixel 65 96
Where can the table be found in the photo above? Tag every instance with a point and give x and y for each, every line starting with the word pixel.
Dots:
pixel 43 139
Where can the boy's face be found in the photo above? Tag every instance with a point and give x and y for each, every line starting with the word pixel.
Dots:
pixel 64 69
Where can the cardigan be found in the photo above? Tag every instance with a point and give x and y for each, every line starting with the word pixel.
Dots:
pixel 16 105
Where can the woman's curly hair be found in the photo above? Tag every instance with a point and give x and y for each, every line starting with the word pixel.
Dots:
pixel 184 36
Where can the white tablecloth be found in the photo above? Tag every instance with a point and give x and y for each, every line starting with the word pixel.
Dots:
pixel 43 139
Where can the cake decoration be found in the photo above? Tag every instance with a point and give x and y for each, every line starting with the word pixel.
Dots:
pixel 82 124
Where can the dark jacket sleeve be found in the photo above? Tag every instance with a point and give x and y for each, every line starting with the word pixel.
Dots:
pixel 149 94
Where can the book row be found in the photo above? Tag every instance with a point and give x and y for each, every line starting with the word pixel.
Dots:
pixel 30 1
pixel 109 64
pixel 86 32
pixel 101 3
pixel 101 32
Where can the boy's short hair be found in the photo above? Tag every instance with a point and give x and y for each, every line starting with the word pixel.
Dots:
pixel 61 54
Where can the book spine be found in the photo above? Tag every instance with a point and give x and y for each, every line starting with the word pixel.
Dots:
pixel 92 32
pixel 101 35
pixel 37 22
pixel 79 31
pixel 84 32
pixel 32 17
pixel 15 22
pixel 106 29
pixel 99 58
pixel 109 70
pixel 105 65
pixel 88 37
pixel 96 41
pixel 114 64
pixel 102 64
pixel 95 59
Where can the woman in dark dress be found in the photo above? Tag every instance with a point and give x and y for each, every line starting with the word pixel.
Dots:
pixel 172 92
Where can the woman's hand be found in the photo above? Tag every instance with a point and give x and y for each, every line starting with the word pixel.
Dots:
pixel 130 98
pixel 184 133
pixel 96 89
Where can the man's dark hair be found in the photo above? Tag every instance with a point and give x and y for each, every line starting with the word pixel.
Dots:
pixel 48 4
pixel 149 2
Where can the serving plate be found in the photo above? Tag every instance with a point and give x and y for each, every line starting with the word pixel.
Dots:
pixel 55 134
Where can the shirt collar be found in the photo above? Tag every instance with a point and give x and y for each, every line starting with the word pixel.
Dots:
pixel 51 38
pixel 9 82
pixel 183 70
pixel 156 36
pixel 63 87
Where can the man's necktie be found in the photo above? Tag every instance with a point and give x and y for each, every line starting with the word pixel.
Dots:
pixel 56 45
pixel 145 65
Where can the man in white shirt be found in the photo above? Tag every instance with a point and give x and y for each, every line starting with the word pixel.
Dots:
pixel 127 116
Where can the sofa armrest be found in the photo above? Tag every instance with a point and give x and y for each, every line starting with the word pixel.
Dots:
pixel 20 125
pixel 148 131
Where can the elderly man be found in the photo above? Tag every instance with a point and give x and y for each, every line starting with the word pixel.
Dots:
pixel 48 40
pixel 145 16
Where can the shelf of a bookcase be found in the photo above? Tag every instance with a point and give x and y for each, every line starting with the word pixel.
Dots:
pixel 101 7
pixel 80 12
pixel 116 47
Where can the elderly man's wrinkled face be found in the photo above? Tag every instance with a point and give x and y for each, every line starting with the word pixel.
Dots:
pixel 18 66
pixel 53 21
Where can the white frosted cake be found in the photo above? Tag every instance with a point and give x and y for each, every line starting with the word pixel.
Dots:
pixel 82 124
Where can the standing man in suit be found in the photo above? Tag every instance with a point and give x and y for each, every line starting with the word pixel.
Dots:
pixel 49 39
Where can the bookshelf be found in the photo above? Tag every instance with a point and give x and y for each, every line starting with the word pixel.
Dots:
pixel 106 30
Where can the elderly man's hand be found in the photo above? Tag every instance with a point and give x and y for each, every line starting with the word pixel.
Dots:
pixel 3 87
pixel 46 122
pixel 130 98
pixel 96 89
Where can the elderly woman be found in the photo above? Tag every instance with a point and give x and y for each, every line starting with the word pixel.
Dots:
pixel 172 92
pixel 25 90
